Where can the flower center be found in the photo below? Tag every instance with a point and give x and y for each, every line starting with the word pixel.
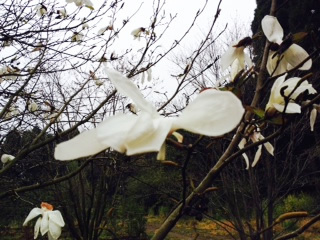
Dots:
pixel 47 206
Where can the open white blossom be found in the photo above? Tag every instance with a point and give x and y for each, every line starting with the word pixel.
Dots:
pixel 291 57
pixel 236 52
pixel 256 136
pixel 6 158
pixel 49 221
pixel 80 3
pixel 277 101
pixel 212 113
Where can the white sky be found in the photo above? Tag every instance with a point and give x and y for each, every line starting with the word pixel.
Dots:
pixel 231 10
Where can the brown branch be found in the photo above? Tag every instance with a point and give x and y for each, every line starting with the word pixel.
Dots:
pixel 300 230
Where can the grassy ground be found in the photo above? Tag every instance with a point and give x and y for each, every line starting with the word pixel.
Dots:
pixel 184 230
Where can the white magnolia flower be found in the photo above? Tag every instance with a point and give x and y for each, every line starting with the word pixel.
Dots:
pixel 236 52
pixel 277 101
pixel 41 10
pixel 291 57
pixel 6 158
pixel 33 106
pixel 13 111
pixel 102 30
pixel 80 3
pixel 98 82
pixel 8 73
pixel 256 136
pixel 212 113
pixel 49 221
pixel 63 13
pixel 76 37
pixel 85 26
pixel 136 33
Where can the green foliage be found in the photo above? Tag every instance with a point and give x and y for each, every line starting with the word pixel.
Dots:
pixel 290 225
pixel 129 219
pixel 293 203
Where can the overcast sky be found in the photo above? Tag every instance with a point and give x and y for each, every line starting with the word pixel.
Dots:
pixel 231 10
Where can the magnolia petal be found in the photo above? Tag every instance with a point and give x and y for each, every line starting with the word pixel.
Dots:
pixel 292 83
pixel 37 227
pixel 33 213
pixel 257 156
pixel 178 136
pixel 295 55
pixel 54 230
pixel 291 107
pixel 228 57
pixel 44 226
pixel 129 89
pixel 50 236
pixel 241 145
pixel 235 69
pixel 115 130
pixel 240 55
pixel 161 156
pixel 313 116
pixel 274 68
pixel 269 148
pixel 212 113
pixel 88 3
pixel 272 29
pixel 84 144
pixel 56 217
pixel 275 92
pixel 152 140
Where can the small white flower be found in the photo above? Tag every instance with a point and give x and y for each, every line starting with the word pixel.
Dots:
pixel 8 73
pixel 6 158
pixel 80 3
pixel 255 136
pixel 236 52
pixel 76 37
pixel 212 113
pixel 85 26
pixel 41 10
pixel 277 101
pixel 49 221
pixel 136 33
pixel 98 82
pixel 102 30
pixel 292 57
pixel 63 13
pixel 33 106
